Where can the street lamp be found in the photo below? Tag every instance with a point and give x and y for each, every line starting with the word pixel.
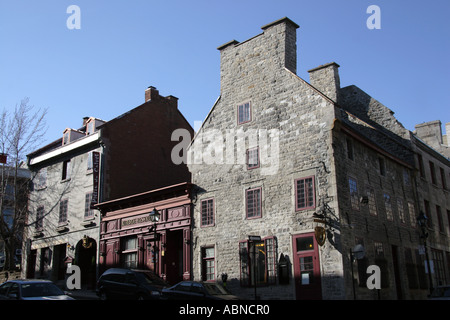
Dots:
pixel 154 217
pixel 422 220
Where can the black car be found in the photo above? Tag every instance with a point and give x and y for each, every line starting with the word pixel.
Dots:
pixel 130 284
pixel 195 290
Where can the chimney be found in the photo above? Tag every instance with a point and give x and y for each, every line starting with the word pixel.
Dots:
pixel 431 133
pixel 270 51
pixel 172 100
pixel 325 78
pixel 151 93
pixel 447 134
pixel 287 30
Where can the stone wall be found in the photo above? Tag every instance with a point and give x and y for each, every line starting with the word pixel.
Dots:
pixel 298 121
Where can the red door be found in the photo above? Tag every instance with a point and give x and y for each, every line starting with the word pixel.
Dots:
pixel 307 267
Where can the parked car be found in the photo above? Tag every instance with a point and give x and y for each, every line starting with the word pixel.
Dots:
pixel 31 289
pixel 195 290
pixel 117 283
pixel 441 293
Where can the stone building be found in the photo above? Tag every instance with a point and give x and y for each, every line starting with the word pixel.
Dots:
pixel 100 162
pixel 300 187
pixel 432 179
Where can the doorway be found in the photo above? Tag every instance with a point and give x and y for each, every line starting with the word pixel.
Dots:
pixel 308 284
pixel 85 258
pixel 173 256
pixel 398 283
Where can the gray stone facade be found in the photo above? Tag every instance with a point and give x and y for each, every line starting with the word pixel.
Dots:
pixel 300 119
pixel 358 157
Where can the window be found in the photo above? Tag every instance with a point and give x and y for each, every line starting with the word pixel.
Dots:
pixel 253 158
pixel 433 173
pixel 207 212
pixel 90 162
pixel 401 211
pixel 244 113
pixel 66 137
pixel 39 218
pixel 90 127
pixel 88 211
pixel 448 220
pixel 406 177
pixel 381 261
pixel 372 204
pixel 439 218
pixel 66 170
pixel 443 180
pixel 41 178
pixel 388 207
pixel 8 217
pixel 437 257
pixel 421 168
pixel 253 203
pixel 354 200
pixel 258 262
pixel 412 214
pixel 426 205
pixel 304 193
pixel 382 166
pixel 208 264
pixel 129 252
pixel 349 148
pixel 63 204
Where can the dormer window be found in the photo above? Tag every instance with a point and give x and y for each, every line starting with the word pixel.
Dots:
pixel 90 126
pixel 70 135
pixel 66 137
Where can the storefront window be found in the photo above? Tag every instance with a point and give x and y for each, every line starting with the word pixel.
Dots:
pixel 129 252
pixel 208 265
pixel 258 262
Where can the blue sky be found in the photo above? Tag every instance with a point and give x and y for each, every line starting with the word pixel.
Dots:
pixel 123 47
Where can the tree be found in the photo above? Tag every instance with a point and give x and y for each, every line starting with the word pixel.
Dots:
pixel 20 133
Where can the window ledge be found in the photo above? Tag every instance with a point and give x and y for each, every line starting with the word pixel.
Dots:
pixel 88 223
pixel 62 228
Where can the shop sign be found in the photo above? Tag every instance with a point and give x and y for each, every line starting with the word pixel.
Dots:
pixel 131 222
pixel 95 176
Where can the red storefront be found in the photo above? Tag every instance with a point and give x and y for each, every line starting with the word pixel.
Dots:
pixel 129 239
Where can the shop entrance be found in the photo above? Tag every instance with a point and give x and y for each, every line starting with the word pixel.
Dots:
pixel 85 258
pixel 173 256
pixel 308 284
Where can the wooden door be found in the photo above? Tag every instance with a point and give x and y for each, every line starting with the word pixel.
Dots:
pixel 308 285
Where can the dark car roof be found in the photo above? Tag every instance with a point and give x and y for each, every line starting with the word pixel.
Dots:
pixel 124 271
pixel 22 281
pixel 117 270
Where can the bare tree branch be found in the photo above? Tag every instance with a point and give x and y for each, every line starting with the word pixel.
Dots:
pixel 20 133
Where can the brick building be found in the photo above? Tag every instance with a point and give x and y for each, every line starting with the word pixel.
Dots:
pixel 99 162
pixel 301 186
